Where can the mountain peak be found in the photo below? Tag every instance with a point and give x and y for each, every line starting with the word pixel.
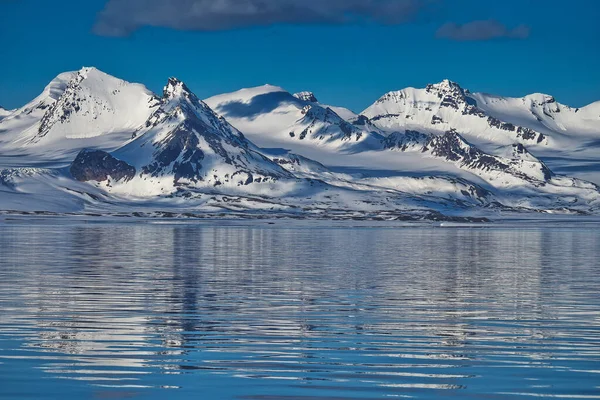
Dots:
pixel 540 99
pixel 451 94
pixel 91 73
pixel 175 88
pixel 87 70
pixel 449 83
pixel 90 103
pixel 306 96
pixel 446 85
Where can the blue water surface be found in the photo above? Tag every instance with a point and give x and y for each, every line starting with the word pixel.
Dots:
pixel 260 312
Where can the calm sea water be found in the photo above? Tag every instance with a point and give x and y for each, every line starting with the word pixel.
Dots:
pixel 147 311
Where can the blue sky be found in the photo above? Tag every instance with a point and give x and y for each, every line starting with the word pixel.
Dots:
pixel 548 46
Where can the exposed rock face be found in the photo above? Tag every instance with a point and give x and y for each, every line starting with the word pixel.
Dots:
pixel 405 141
pixel 452 96
pixel 93 104
pixel 361 120
pixel 454 148
pixel 318 115
pixel 97 165
pixel 194 145
pixel 179 149
pixel 445 106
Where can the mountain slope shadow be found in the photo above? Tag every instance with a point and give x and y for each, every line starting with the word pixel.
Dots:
pixel 261 104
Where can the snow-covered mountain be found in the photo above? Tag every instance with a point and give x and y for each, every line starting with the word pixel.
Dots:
pixel 273 117
pixel 306 96
pixel 567 138
pixel 94 143
pixel 517 170
pixel 543 113
pixel 185 144
pixel 341 111
pixel 444 106
pixel 87 108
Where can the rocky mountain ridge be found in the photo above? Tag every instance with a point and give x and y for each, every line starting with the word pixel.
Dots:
pixel 440 149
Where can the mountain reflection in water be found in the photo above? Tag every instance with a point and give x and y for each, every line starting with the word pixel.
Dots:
pixel 284 312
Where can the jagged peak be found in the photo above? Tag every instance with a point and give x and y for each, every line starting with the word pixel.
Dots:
pixel 447 87
pixel 442 89
pixel 306 96
pixel 175 88
pixel 178 98
pixel 517 151
pixel 446 84
pixel 325 114
pixel 180 105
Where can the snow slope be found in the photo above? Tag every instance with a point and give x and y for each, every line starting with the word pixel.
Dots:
pixel 272 117
pixel 543 113
pixel 5 113
pixel 444 106
pixel 87 108
pixel 566 138
pixel 343 112
pixel 94 143
pixel 185 144
pixel 22 122
pixel 518 179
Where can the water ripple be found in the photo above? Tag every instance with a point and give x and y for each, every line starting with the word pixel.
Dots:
pixel 276 312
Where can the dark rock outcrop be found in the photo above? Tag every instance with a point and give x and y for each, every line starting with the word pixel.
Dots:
pixel 452 147
pixel 406 140
pixel 315 115
pixel 98 165
pixel 192 144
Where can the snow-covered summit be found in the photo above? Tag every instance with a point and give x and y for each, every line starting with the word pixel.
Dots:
pixel 273 117
pixel 441 107
pixel 306 96
pixel 23 120
pixel 446 87
pixel 437 148
pixel 176 88
pixel 95 103
pixel 184 143
pixel 543 113
pixel 81 105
